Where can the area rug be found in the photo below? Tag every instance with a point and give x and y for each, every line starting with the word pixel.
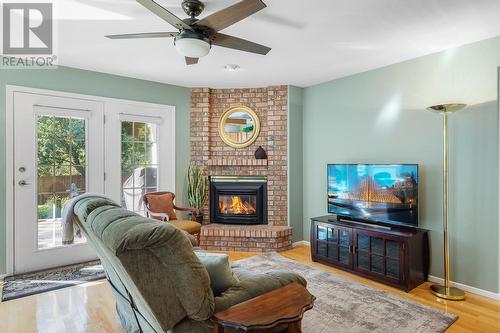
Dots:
pixel 344 305
pixel 34 283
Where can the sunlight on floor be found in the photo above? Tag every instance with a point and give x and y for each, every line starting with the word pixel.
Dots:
pixel 50 234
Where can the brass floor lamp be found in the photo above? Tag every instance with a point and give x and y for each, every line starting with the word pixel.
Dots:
pixel 446 291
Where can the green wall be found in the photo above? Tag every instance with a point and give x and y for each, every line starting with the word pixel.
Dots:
pixel 379 117
pixel 98 84
pixel 295 170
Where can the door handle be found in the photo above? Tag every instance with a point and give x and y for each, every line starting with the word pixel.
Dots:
pixel 23 183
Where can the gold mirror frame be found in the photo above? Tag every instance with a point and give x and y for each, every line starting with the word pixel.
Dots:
pixel 227 114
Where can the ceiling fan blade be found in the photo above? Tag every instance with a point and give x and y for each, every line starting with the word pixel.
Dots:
pixel 239 44
pixel 164 14
pixel 191 61
pixel 232 14
pixel 144 35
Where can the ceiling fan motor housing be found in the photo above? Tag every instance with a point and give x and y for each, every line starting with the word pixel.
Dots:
pixel 192 8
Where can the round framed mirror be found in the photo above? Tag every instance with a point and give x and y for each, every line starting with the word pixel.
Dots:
pixel 239 127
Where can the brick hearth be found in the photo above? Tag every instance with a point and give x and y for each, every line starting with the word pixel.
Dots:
pixel 252 238
pixel 218 159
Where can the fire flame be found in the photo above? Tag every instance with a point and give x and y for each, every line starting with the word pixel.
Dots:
pixel 237 206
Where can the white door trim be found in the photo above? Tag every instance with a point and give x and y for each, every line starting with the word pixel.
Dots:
pixel 9 150
pixel 498 109
pixel 9 180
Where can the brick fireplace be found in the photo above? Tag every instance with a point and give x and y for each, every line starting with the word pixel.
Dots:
pixel 217 159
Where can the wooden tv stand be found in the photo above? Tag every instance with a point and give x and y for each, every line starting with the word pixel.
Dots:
pixel 398 257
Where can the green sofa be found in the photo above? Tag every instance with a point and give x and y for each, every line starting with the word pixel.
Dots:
pixel 159 282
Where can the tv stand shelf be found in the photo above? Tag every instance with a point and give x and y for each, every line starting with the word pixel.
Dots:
pixel 398 257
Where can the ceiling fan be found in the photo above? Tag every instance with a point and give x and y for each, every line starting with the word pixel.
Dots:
pixel 194 37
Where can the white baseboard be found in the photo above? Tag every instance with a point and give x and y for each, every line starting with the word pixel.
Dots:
pixel 474 290
pixel 300 243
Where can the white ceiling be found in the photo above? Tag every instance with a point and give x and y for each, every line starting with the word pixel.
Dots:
pixel 312 41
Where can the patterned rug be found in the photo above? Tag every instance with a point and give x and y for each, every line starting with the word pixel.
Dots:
pixel 344 305
pixel 38 282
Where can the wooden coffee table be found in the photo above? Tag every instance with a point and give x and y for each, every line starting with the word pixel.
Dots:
pixel 284 306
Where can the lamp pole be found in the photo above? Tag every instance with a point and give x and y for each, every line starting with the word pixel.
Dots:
pixel 446 291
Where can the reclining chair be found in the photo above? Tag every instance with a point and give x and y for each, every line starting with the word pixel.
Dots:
pixel 159 282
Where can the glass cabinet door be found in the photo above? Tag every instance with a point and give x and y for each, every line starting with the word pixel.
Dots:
pixel 378 255
pixel 334 243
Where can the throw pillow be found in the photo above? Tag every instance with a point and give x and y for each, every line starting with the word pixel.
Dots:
pixel 162 203
pixel 221 275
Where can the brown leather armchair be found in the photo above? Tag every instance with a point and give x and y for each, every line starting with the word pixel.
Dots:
pixel 160 206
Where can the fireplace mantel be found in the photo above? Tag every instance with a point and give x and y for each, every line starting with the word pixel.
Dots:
pixel 236 162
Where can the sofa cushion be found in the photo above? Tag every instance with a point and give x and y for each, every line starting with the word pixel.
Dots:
pixel 162 203
pixel 219 270
pixel 254 284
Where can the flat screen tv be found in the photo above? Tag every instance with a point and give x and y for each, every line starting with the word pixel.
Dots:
pixel 385 194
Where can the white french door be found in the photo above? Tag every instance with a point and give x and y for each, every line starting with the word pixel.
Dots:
pixel 58 154
pixel 64 146
pixel 140 152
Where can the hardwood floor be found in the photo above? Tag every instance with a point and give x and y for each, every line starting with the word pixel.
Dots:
pixel 90 307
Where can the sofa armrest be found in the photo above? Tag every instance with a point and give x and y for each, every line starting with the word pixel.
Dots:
pixel 194 212
pixel 164 216
pixel 254 284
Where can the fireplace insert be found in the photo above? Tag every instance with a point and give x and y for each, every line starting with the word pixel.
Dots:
pixel 238 200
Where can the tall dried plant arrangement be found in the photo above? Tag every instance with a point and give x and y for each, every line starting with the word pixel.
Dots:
pixel 197 187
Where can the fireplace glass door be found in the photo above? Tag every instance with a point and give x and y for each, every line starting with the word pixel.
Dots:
pixel 237 204
pixel 241 200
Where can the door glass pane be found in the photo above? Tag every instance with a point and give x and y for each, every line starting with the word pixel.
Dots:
pixel 321 248
pixel 321 233
pixel 332 235
pixel 393 268
pixel 139 160
pixel 333 251
pixel 378 264
pixel 344 255
pixel 363 260
pixel 61 173
pixel 363 242
pixel 377 245
pixel 345 238
pixel 392 248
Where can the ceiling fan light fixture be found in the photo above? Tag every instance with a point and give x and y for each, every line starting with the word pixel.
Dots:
pixel 192 45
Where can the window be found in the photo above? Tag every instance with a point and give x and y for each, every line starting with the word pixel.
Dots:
pixel 62 169
pixel 139 160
